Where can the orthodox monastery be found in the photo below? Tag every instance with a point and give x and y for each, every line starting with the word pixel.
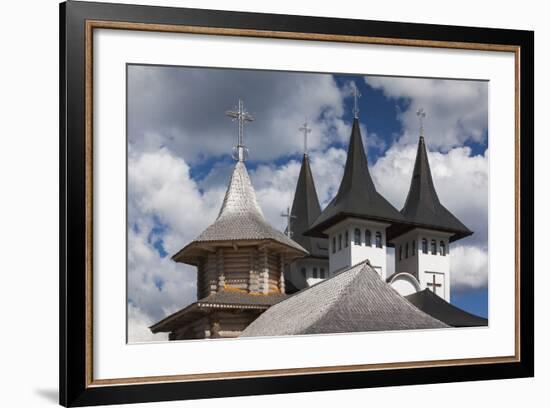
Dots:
pixel 327 273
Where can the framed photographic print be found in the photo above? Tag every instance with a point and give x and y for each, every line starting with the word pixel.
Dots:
pixel 256 203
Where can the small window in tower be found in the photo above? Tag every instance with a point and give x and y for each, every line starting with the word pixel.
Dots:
pixel 333 244
pixel 323 276
pixel 367 238
pixel 400 252
pixel 339 242
pixel 357 236
pixel 407 250
pixel 346 240
pixel 424 246
pixel 413 248
pixel 378 239
pixel 315 275
pixel 303 270
pixel 434 247
pixel 442 251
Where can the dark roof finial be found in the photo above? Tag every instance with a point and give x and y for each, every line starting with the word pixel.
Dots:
pixel 306 130
pixel 356 95
pixel 421 113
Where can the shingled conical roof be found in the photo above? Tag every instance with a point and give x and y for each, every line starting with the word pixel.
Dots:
pixel 354 300
pixel 240 219
pixel 305 210
pixel 357 196
pixel 422 207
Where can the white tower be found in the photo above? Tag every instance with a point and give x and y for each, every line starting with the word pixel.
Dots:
pixel 422 257
pixel 356 220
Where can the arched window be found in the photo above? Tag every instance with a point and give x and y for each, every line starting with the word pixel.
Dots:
pixel 339 242
pixel 442 248
pixel 400 252
pixel 367 238
pixel 315 275
pixel 413 248
pixel 424 246
pixel 407 250
pixel 333 244
pixel 378 239
pixel 357 236
pixel 346 240
pixel 434 247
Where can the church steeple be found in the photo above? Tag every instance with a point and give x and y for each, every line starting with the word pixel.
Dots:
pixel 357 196
pixel 305 210
pixel 422 206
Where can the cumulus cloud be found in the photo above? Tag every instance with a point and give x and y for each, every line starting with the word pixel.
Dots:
pixel 138 324
pixel 469 267
pixel 182 110
pixel 457 111
pixel 165 210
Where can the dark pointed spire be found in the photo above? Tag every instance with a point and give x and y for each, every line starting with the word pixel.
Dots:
pixel 305 210
pixel 357 196
pixel 422 206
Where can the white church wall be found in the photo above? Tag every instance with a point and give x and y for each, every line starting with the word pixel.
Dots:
pixel 310 270
pixel 429 263
pixel 425 265
pixel 350 252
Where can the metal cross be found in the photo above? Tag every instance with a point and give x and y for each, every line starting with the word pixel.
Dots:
pixel 421 113
pixel 289 218
pixel 306 130
pixel 356 96
pixel 242 116
pixel 434 284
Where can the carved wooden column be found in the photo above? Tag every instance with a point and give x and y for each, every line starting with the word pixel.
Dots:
pixel 264 274
pixel 282 272
pixel 253 278
pixel 220 269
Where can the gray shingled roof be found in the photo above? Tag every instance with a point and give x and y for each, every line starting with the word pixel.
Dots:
pixel 357 195
pixel 355 300
pixel 306 209
pixel 240 217
pixel 422 207
pixel 430 303
pixel 225 299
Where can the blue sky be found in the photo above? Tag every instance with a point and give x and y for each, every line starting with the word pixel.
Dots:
pixel 180 160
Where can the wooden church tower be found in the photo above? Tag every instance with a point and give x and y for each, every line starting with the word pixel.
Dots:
pixel 240 262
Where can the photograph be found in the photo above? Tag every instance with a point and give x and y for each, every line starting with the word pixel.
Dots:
pixel 266 203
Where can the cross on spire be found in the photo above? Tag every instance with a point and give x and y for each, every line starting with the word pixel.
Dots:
pixel 421 113
pixel 356 95
pixel 288 215
pixel 306 129
pixel 242 116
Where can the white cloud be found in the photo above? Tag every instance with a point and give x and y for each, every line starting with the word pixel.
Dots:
pixel 469 267
pixel 456 110
pixel 138 327
pixel 182 111
pixel 162 197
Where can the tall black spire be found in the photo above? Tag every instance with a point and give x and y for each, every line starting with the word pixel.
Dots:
pixel 357 196
pixel 305 210
pixel 422 206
